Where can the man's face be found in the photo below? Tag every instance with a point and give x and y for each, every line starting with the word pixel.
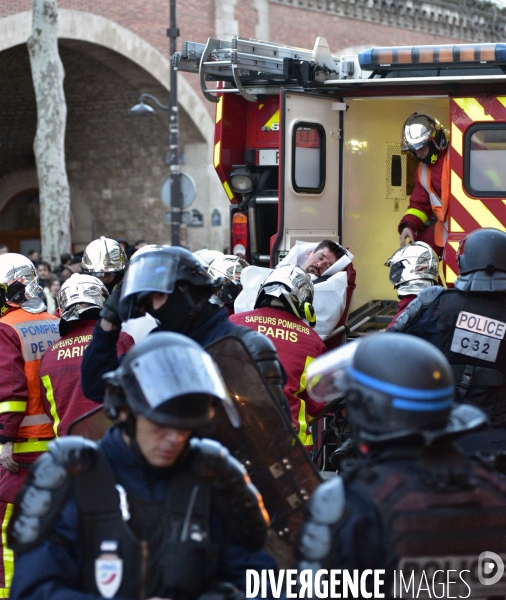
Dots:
pixel 318 262
pixel 160 446
pixel 422 152
pixel 42 272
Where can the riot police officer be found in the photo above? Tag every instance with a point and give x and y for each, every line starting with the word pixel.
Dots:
pixel 151 511
pixel 468 323
pixel 174 287
pixel 106 259
pixel 412 502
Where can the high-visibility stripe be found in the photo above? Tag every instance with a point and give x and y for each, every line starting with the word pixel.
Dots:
pixel 305 437
pixel 13 406
pixel 29 420
pixel 46 381
pixel 417 213
pixel 29 446
pixel 457 139
pixel 219 110
pixel 229 192
pixel 502 100
pixel 473 109
pixel 7 553
pixel 474 207
pixel 451 276
pixel 272 120
pixel 454 226
pixel 217 149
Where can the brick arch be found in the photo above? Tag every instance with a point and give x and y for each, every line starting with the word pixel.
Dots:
pixel 95 29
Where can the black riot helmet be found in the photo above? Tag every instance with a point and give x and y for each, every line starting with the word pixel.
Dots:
pixel 173 271
pixel 395 386
pixel 170 380
pixel 482 261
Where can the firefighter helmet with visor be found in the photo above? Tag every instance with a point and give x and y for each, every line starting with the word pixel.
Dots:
pixel 413 268
pixel 19 283
pixel 421 128
pixel 81 293
pixel 103 256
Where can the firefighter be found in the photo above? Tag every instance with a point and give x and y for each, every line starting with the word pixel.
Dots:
pixel 468 322
pixel 284 300
pixel 413 502
pixel 81 297
pixel 172 286
pixel 105 258
pixel 153 511
pixel 413 268
pixel 425 218
pixel 230 268
pixel 26 332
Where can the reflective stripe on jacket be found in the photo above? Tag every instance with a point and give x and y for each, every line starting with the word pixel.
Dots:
pixel 439 205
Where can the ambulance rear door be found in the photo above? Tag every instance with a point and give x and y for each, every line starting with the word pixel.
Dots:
pixel 309 170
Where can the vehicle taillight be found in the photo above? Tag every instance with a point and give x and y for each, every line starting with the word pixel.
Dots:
pixel 240 241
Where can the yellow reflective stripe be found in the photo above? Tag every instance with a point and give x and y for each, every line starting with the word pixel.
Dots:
pixel 417 213
pixel 272 120
pixel 230 193
pixel 475 208
pixel 8 554
pixel 456 139
pixel 451 276
pixel 13 406
pixel 454 226
pixel 473 109
pixel 305 437
pixel 219 109
pixel 217 148
pixel 29 446
pixel 46 380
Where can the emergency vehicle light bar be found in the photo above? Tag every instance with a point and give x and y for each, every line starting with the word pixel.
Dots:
pixel 445 56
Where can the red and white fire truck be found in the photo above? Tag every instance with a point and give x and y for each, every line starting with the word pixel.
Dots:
pixel 307 144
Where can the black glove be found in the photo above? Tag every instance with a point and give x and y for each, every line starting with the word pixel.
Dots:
pixel 110 310
pixel 223 591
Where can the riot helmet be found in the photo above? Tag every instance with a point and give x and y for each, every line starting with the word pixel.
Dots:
pixel 170 380
pixel 413 268
pixel 481 257
pixel 173 271
pixel 230 267
pixel 395 385
pixel 19 284
pixel 421 128
pixel 105 258
pixel 79 295
pixel 292 288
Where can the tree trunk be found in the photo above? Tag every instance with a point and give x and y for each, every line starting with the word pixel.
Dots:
pixel 49 144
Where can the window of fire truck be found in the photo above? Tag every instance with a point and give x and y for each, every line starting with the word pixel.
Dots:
pixel 485 159
pixel 308 158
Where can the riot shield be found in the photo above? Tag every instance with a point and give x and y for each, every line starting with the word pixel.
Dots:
pixel 91 425
pixel 265 443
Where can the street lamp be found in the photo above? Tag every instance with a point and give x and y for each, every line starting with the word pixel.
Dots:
pixel 172 111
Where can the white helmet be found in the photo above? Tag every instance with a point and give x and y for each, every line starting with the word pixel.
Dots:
pixel 413 268
pixel 79 294
pixel 206 256
pixel 103 256
pixel 294 288
pixel 20 283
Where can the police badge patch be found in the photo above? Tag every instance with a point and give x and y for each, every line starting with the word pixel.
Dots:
pixel 108 570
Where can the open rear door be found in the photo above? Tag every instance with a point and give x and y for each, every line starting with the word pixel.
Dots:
pixel 309 178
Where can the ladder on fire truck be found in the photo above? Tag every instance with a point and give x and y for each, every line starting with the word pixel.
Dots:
pixel 256 67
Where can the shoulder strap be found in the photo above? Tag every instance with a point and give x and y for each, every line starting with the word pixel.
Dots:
pixel 412 313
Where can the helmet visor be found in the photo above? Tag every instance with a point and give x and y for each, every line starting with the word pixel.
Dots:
pixel 325 374
pixel 155 272
pixel 171 372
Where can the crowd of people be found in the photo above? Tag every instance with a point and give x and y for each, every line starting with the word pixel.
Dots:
pixel 196 381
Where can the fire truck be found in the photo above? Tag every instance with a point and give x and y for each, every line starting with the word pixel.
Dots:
pixel 307 146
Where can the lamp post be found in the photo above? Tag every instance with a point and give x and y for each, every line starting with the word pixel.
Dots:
pixel 176 200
